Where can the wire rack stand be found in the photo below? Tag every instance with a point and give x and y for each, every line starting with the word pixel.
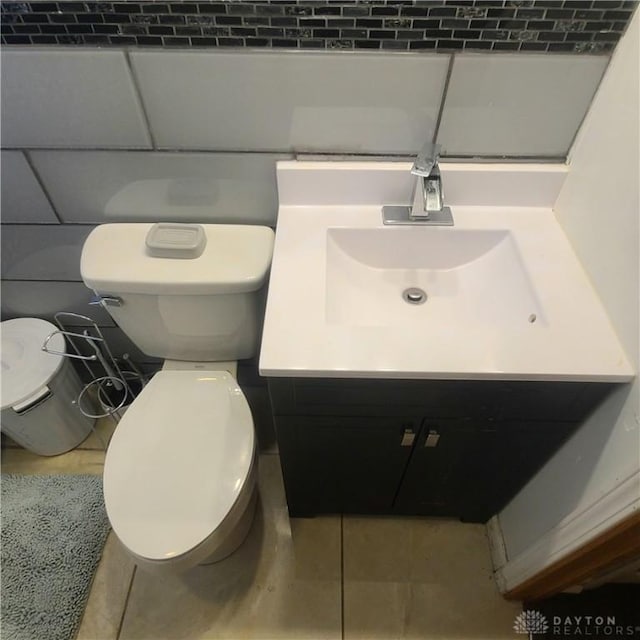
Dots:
pixel 113 384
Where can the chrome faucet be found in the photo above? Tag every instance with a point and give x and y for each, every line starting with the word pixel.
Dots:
pixel 428 197
pixel 427 194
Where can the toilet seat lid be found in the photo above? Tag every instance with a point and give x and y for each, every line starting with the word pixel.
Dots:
pixel 177 462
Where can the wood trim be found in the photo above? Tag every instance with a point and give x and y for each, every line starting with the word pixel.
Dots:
pixel 616 545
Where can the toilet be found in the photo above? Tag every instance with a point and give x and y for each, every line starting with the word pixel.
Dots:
pixel 180 471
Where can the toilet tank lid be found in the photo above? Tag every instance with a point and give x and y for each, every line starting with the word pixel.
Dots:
pixel 236 259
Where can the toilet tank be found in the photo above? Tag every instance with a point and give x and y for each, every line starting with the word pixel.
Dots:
pixel 207 307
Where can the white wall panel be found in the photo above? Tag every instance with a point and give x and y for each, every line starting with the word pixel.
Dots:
pixel 517 105
pixel 110 186
pixel 42 252
pixel 44 299
pixel 22 197
pixel 69 98
pixel 337 102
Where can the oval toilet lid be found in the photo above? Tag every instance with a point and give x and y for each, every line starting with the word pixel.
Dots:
pixel 177 462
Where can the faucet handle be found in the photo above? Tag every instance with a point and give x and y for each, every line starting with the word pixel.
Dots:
pixel 426 159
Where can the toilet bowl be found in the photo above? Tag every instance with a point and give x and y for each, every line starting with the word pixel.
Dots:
pixel 180 471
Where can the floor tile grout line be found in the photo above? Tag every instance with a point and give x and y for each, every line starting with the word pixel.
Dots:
pixel 342 576
pixel 126 602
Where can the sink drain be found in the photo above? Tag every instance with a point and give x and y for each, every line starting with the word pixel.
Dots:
pixel 413 295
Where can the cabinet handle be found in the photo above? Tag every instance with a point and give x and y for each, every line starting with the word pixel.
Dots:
pixel 432 438
pixel 407 438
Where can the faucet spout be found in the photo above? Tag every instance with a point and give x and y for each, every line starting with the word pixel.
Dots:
pixel 427 203
pixel 427 195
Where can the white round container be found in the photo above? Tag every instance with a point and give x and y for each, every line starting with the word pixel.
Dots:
pixel 39 390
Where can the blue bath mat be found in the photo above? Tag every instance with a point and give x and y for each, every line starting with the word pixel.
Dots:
pixel 53 532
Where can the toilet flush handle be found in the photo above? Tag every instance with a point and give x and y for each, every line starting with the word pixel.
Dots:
pixel 107 301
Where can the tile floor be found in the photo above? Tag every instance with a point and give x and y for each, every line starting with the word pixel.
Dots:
pixel 329 577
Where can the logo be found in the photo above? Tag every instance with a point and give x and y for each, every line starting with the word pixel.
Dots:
pixel 534 623
pixel 531 622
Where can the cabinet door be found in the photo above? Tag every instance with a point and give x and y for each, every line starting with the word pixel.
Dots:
pixel 512 453
pixel 439 469
pixel 343 464
pixel 474 468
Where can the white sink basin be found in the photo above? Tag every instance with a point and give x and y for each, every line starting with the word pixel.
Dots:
pixel 428 277
pixel 506 297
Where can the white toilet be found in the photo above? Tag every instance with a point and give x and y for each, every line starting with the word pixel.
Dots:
pixel 180 471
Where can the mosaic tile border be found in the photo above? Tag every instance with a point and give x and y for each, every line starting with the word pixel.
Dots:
pixel 564 26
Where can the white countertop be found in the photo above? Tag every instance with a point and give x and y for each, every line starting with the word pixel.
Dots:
pixel 571 340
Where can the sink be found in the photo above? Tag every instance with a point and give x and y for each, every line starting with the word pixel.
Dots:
pixel 500 295
pixel 431 277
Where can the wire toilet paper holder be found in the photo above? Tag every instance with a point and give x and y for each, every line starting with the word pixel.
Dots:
pixel 112 386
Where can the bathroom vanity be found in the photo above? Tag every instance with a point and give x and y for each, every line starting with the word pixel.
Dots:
pixel 427 371
pixel 419 447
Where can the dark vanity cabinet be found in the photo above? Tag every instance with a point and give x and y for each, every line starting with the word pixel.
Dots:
pixel 419 447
